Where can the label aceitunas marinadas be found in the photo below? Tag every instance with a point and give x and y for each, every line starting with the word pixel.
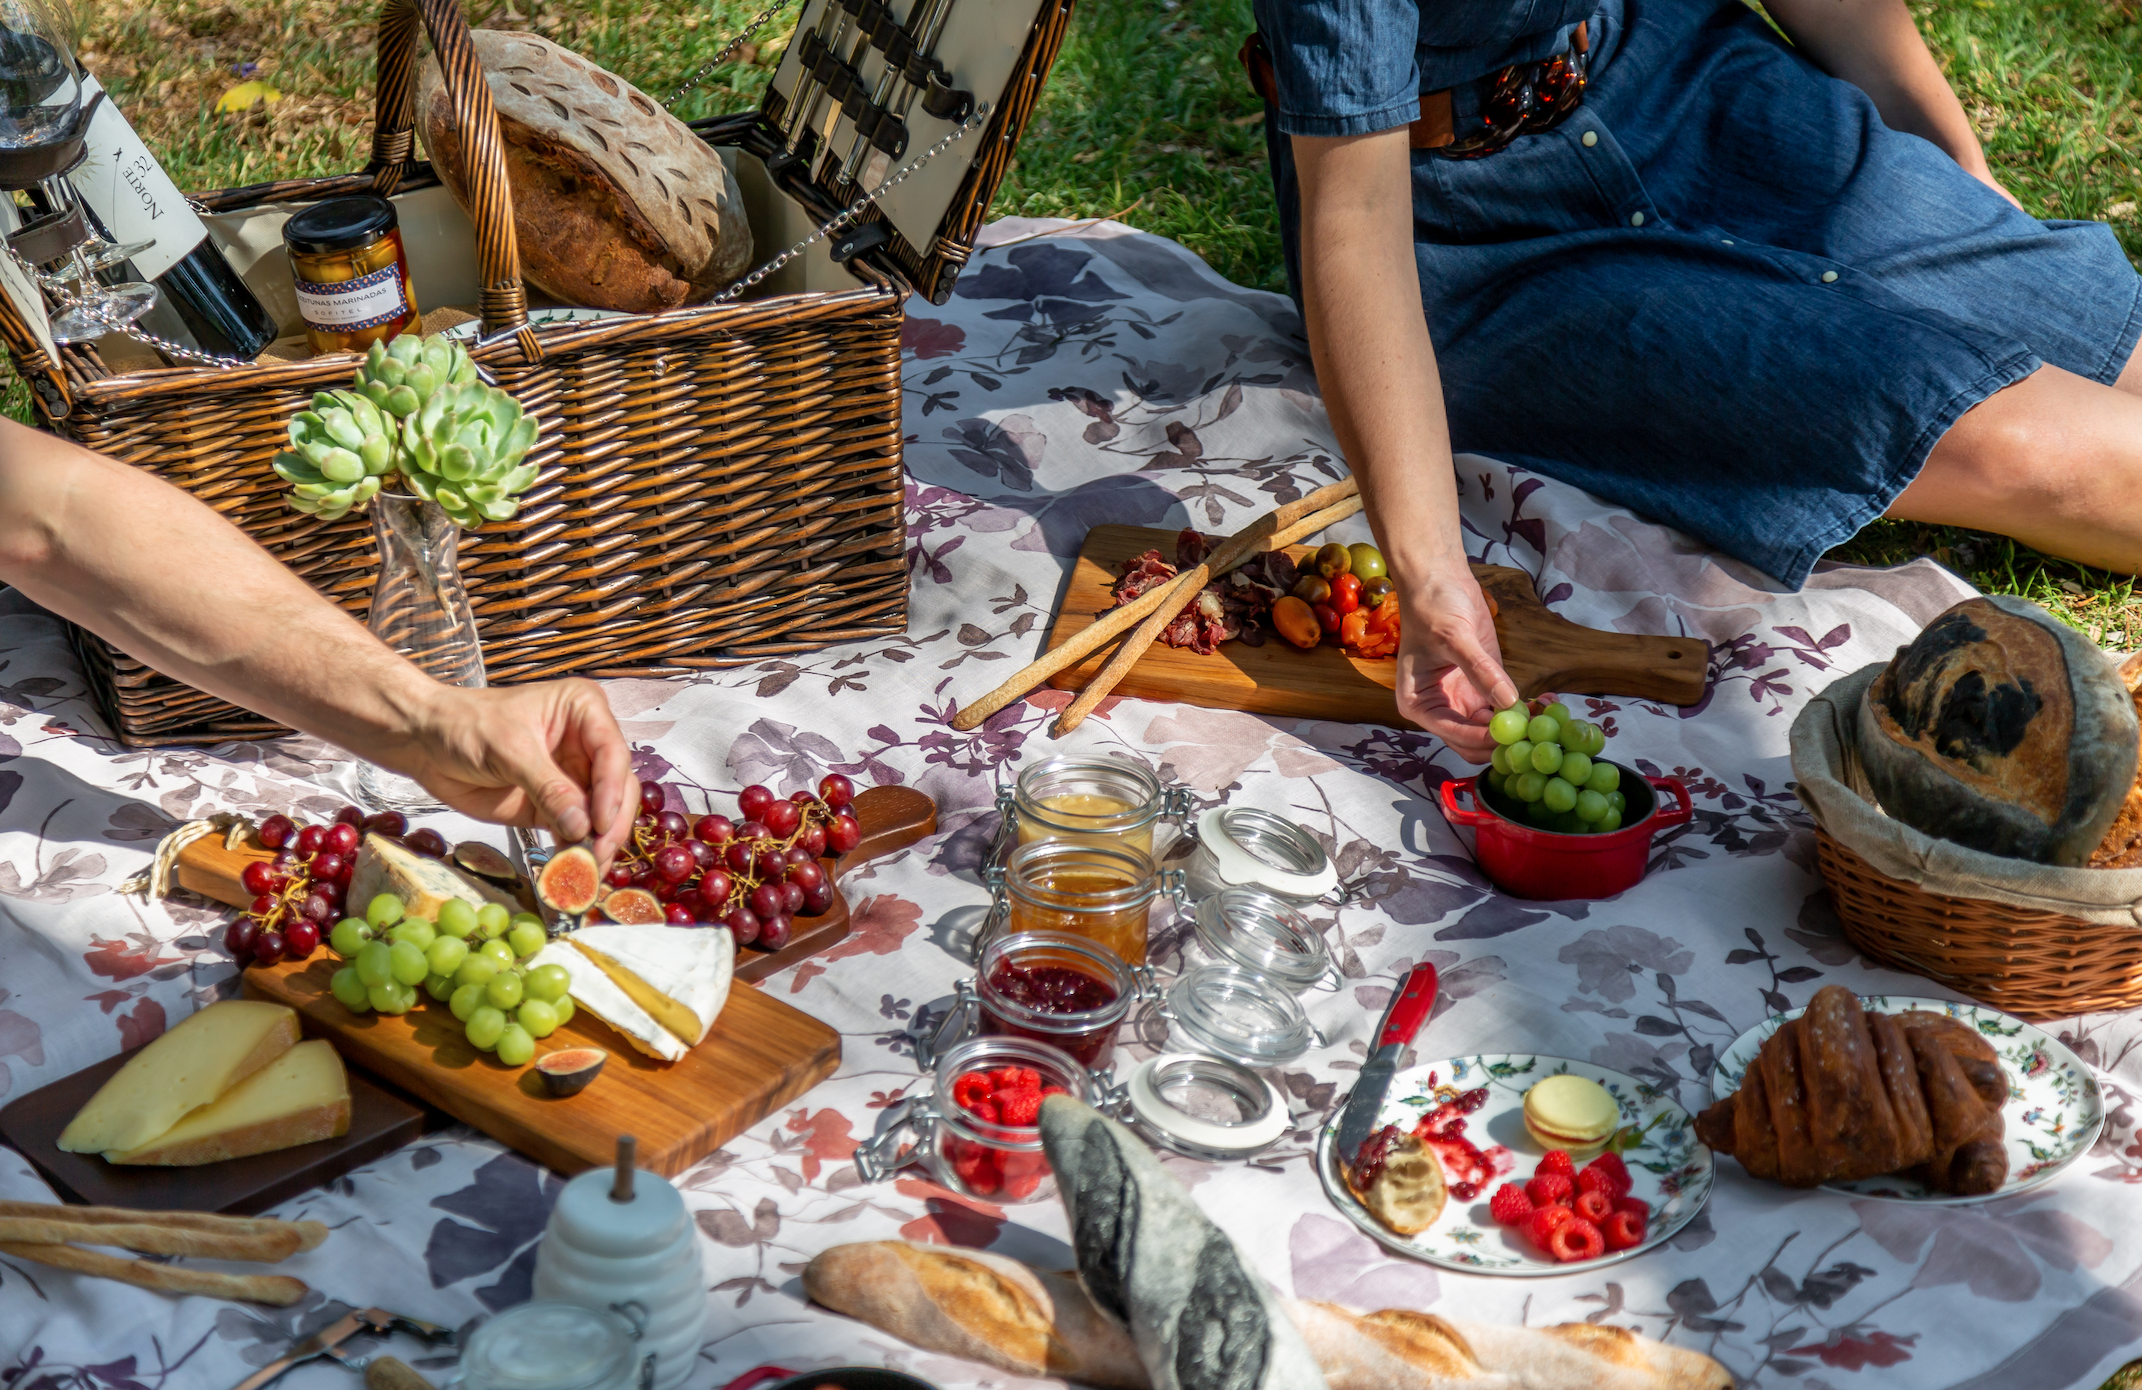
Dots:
pixel 130 192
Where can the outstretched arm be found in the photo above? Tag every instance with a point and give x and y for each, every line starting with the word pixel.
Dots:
pixel 1874 45
pixel 1361 295
pixel 173 584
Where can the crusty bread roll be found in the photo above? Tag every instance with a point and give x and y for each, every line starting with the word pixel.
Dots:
pixel 1391 1351
pixel 616 203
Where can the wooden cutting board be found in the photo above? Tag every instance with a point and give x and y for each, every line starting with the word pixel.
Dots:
pixel 1542 651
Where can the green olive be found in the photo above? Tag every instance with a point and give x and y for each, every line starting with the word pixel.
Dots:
pixel 1367 561
pixel 1375 591
pixel 1332 561
pixel 1312 588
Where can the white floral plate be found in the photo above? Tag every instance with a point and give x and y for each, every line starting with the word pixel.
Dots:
pixel 1670 1169
pixel 2054 1112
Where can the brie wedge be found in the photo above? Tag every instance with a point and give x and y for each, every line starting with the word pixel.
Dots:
pixel 660 986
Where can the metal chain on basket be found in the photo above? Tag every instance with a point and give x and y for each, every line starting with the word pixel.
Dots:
pixel 722 57
pixel 126 329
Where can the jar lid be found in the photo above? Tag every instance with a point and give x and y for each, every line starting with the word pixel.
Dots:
pixel 1256 849
pixel 1242 926
pixel 548 1345
pixel 1238 1014
pixel 1206 1107
pixel 340 224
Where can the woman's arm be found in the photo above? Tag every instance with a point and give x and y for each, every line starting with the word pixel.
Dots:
pixel 1361 295
pixel 173 584
pixel 1874 45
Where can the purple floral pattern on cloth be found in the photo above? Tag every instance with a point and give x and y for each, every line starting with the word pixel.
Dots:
pixel 1102 375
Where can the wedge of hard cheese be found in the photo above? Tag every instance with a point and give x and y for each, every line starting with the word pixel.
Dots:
pixel 189 1066
pixel 299 1097
pixel 423 885
pixel 661 987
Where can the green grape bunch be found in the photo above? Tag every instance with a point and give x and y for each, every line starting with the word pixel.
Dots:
pixel 418 417
pixel 1545 760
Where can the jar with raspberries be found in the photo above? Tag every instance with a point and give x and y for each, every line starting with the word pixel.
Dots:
pixel 978 1133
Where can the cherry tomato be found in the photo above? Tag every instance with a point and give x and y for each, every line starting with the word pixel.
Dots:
pixel 1345 594
pixel 1327 617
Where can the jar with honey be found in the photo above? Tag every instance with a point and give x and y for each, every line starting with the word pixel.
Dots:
pixel 351 271
pixel 1103 892
pixel 1096 801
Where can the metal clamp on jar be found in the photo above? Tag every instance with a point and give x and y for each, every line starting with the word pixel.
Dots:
pixel 1243 847
pixel 1100 801
pixel 964 1151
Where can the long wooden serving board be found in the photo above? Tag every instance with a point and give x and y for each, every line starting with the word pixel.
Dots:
pixel 1542 651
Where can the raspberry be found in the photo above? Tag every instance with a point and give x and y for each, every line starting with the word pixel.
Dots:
pixel 1510 1205
pixel 1549 1189
pixel 1574 1240
pixel 1019 1107
pixel 985 1111
pixel 1022 1175
pixel 1638 1205
pixel 1624 1230
pixel 1048 1091
pixel 1610 1163
pixel 1542 1224
pixel 1016 1079
pixel 976 1168
pixel 1598 1180
pixel 1594 1207
pixel 969 1087
pixel 1557 1161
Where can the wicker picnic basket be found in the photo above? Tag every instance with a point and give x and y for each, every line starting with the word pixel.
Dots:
pixel 720 485
pixel 2035 940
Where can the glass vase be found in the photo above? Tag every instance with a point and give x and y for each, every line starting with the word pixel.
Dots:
pixel 420 609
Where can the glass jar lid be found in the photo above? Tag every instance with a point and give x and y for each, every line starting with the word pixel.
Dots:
pixel 1206 1107
pixel 340 224
pixel 1240 1015
pixel 1242 926
pixel 550 1345
pixel 1256 849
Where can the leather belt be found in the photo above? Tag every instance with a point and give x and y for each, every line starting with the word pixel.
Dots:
pixel 1525 98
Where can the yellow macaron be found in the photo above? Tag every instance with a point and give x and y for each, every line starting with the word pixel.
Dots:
pixel 1572 1113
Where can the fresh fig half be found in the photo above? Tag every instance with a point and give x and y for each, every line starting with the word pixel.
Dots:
pixel 634 907
pixel 484 861
pixel 567 1072
pixel 569 882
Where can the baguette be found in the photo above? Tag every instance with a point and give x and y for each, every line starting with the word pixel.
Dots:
pixel 279 1290
pixel 310 1234
pixel 268 1247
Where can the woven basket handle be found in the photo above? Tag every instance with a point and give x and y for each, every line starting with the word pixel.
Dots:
pixel 503 300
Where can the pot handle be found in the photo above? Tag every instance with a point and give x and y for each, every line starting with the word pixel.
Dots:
pixel 1469 787
pixel 1684 809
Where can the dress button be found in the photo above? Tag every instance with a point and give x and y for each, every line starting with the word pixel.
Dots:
pixel 1636 219
pixel 1829 277
pixel 1591 138
pixel 1726 240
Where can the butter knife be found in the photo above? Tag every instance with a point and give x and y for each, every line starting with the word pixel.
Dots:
pixel 1402 1020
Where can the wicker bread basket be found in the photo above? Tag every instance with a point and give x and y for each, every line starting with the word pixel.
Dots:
pixel 2033 940
pixel 720 485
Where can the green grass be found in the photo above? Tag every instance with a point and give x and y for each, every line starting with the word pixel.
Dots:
pixel 1147 111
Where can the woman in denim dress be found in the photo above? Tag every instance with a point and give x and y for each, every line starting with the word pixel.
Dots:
pixel 1765 292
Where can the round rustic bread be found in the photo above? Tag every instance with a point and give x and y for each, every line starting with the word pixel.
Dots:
pixel 2001 728
pixel 616 203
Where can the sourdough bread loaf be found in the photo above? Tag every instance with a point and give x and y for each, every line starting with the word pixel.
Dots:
pixel 616 203
pixel 2122 846
pixel 2001 728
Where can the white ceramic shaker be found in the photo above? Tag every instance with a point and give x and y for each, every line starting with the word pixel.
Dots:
pixel 620 1240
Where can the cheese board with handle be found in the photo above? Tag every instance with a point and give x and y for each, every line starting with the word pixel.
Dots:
pixel 1542 651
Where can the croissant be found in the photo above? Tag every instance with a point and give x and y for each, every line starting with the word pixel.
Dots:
pixel 1839 1094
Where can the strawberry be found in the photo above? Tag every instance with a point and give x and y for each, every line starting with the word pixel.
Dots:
pixel 1557 1161
pixel 1594 1207
pixel 1510 1206
pixel 1610 1164
pixel 1021 1108
pixel 1638 1205
pixel 1624 1230
pixel 1574 1240
pixel 1541 1225
pixel 1549 1189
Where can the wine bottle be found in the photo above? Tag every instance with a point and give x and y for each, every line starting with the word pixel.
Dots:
pixel 133 199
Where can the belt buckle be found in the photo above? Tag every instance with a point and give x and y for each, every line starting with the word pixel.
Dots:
pixel 1517 93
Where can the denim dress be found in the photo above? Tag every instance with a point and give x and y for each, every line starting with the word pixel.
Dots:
pixel 1721 292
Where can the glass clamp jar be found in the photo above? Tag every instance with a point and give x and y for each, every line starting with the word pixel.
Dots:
pixel 1103 892
pixel 1243 847
pixel 1201 1106
pixel 1237 1014
pixel 1261 932
pixel 352 273
pixel 961 1151
pixel 1050 987
pixel 1102 801
pixel 554 1345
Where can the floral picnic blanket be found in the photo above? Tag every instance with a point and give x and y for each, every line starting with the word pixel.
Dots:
pixel 1079 376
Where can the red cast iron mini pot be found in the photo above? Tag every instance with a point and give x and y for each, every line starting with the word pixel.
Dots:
pixel 1528 862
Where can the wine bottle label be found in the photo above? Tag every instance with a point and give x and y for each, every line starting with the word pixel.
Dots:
pixel 130 192
pixel 344 306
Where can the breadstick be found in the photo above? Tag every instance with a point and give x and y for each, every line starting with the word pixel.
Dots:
pixel 267 1248
pixel 1231 552
pixel 1189 583
pixel 309 1233
pixel 278 1289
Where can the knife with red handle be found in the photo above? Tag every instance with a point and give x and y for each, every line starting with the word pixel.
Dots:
pixel 1402 1019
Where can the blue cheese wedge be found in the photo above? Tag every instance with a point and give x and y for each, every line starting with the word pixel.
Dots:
pixel 423 884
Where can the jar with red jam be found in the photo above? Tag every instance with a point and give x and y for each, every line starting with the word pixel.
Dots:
pixel 978 1133
pixel 1068 991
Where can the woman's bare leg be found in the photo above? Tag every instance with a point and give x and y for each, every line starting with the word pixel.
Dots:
pixel 2054 461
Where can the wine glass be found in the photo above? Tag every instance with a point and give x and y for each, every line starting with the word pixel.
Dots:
pixel 42 126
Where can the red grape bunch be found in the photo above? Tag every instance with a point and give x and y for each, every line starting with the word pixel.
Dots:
pixel 755 874
pixel 299 893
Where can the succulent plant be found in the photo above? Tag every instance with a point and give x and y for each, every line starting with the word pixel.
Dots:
pixel 417 416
